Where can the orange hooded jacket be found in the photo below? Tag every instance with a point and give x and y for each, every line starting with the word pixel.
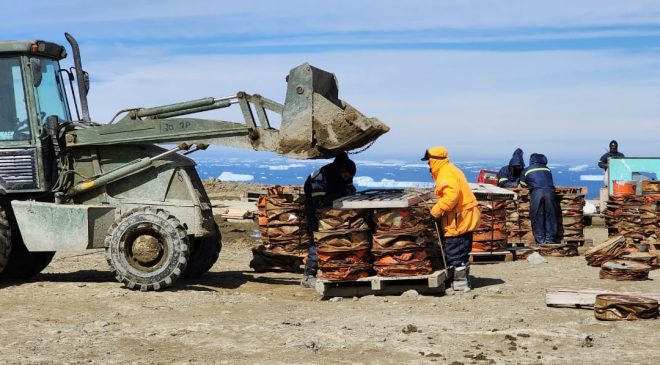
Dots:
pixel 456 206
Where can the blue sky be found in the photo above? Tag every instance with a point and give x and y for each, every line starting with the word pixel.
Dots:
pixel 480 77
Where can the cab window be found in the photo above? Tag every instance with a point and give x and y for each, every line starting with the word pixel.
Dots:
pixel 14 124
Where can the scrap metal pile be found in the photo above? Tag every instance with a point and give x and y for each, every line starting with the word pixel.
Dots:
pixel 636 217
pixel 283 230
pixel 343 244
pixel 403 243
pixel 492 233
pixel 571 202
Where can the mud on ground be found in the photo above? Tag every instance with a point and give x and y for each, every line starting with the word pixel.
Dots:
pixel 75 312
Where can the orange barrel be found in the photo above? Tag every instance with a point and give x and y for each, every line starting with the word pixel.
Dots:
pixel 624 188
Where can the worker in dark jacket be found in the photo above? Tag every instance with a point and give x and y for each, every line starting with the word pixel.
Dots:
pixel 544 210
pixel 509 175
pixel 604 162
pixel 613 152
pixel 322 187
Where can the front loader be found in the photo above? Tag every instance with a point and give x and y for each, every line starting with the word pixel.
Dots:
pixel 71 184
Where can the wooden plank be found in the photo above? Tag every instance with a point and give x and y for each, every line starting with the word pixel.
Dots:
pixel 583 298
pixel 377 199
pixel 375 285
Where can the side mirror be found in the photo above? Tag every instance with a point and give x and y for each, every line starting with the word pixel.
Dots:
pixel 35 67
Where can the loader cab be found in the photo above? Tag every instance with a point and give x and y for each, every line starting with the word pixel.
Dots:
pixel 31 90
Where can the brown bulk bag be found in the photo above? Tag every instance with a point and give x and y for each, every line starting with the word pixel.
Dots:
pixel 616 307
pixel 404 219
pixel 341 240
pixel 606 251
pixel 347 272
pixel 264 260
pixel 397 241
pixel 623 270
pixel 567 250
pixel 340 259
pixel 342 219
pixel 407 269
pixel 488 246
pixel 647 258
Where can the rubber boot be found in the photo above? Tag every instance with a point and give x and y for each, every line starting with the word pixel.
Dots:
pixel 309 277
pixel 461 279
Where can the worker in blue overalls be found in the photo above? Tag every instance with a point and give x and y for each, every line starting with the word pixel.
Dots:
pixel 510 174
pixel 544 209
pixel 322 187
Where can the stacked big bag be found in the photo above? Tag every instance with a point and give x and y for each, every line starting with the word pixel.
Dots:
pixel 403 242
pixel 343 244
pixel 283 230
pixel 571 202
pixel 492 234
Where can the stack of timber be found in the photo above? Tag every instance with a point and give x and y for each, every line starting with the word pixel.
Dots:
pixel 636 217
pixel 403 243
pixel 491 235
pixel 343 244
pixel 518 225
pixel 283 230
pixel 571 202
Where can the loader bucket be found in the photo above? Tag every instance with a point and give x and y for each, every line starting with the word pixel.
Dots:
pixel 316 123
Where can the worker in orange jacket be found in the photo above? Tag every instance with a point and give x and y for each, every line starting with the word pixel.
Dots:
pixel 458 213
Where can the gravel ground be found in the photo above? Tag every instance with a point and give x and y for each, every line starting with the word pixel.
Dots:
pixel 75 312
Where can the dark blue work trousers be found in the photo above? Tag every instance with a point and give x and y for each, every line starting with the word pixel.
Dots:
pixel 543 213
pixel 458 249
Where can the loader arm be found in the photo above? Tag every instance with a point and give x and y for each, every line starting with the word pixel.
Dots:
pixel 315 122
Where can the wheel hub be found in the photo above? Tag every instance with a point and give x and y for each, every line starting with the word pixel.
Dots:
pixel 146 249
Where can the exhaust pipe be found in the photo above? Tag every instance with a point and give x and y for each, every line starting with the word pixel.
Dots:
pixel 83 87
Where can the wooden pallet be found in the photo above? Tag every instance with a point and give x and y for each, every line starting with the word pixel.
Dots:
pixel 375 285
pixel 492 257
pixel 521 252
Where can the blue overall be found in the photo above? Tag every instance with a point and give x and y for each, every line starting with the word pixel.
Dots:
pixel 544 209
pixel 508 176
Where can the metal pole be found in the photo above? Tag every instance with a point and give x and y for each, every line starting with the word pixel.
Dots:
pixel 440 243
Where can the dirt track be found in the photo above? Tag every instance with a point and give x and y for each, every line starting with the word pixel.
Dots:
pixel 76 313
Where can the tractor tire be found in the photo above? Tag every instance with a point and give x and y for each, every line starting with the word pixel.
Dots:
pixel 204 252
pixel 147 249
pixel 5 240
pixel 16 262
pixel 24 264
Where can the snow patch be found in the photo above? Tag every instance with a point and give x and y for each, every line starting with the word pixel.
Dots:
pixel 591 177
pixel 578 168
pixel 282 167
pixel 230 176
